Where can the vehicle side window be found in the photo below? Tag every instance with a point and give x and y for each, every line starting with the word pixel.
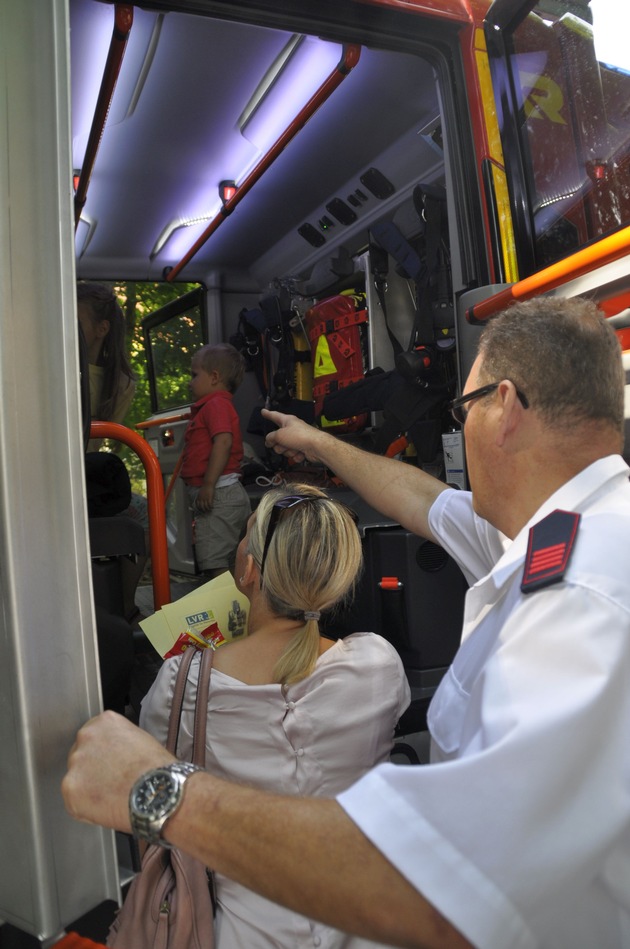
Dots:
pixel 572 99
pixel 172 334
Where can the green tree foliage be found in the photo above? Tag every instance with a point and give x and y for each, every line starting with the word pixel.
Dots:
pixel 173 344
pixel 138 300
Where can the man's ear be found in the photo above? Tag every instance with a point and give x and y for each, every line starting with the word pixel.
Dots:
pixel 511 410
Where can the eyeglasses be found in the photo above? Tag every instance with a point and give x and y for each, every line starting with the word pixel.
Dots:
pixel 285 504
pixel 281 505
pixel 456 406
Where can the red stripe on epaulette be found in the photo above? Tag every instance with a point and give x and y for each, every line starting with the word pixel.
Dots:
pixel 548 550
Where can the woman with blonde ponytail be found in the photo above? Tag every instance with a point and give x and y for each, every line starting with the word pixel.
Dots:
pixel 289 710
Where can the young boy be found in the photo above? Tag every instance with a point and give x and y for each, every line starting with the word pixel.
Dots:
pixel 213 450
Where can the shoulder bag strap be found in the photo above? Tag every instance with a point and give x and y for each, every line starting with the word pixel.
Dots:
pixel 201 707
pixel 178 700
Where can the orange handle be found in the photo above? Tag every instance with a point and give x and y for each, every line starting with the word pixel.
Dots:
pixel 167 420
pixel 584 261
pixel 155 503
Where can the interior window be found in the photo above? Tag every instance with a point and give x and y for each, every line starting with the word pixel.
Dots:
pixel 172 334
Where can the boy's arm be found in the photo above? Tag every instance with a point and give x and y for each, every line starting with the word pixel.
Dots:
pixel 400 491
pixel 217 463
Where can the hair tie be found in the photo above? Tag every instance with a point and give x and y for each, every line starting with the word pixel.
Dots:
pixel 312 614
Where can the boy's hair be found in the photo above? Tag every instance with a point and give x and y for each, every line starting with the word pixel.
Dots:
pixel 225 360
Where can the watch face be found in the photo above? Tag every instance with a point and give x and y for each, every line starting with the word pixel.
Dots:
pixel 157 794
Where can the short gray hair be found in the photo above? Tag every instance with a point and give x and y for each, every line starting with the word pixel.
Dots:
pixel 563 354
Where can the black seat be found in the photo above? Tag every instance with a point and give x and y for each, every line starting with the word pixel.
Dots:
pixel 111 540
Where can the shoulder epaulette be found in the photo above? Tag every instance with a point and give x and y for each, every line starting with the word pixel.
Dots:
pixel 548 550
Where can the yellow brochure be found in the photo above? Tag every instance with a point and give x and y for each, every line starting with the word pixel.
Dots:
pixel 212 614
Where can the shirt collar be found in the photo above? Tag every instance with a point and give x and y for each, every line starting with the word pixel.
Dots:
pixel 572 496
pixel 206 398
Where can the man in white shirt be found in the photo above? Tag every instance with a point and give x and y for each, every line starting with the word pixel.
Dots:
pixel 518 832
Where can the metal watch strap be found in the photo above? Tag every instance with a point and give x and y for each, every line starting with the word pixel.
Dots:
pixel 149 829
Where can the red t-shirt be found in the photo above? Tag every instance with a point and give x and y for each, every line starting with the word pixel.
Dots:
pixel 212 415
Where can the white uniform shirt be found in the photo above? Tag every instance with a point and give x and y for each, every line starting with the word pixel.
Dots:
pixel 519 829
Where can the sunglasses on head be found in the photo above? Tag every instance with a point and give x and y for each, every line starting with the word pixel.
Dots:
pixel 285 504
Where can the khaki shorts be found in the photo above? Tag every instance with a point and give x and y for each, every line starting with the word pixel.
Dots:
pixel 217 532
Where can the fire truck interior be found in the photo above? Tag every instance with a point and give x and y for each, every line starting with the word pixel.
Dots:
pixel 280 169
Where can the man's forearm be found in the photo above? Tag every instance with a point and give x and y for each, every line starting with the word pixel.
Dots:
pixel 400 491
pixel 304 853
pixel 308 855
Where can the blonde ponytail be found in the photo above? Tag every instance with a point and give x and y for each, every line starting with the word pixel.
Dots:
pixel 312 564
pixel 299 658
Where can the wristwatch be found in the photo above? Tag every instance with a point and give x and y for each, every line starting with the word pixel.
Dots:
pixel 155 797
